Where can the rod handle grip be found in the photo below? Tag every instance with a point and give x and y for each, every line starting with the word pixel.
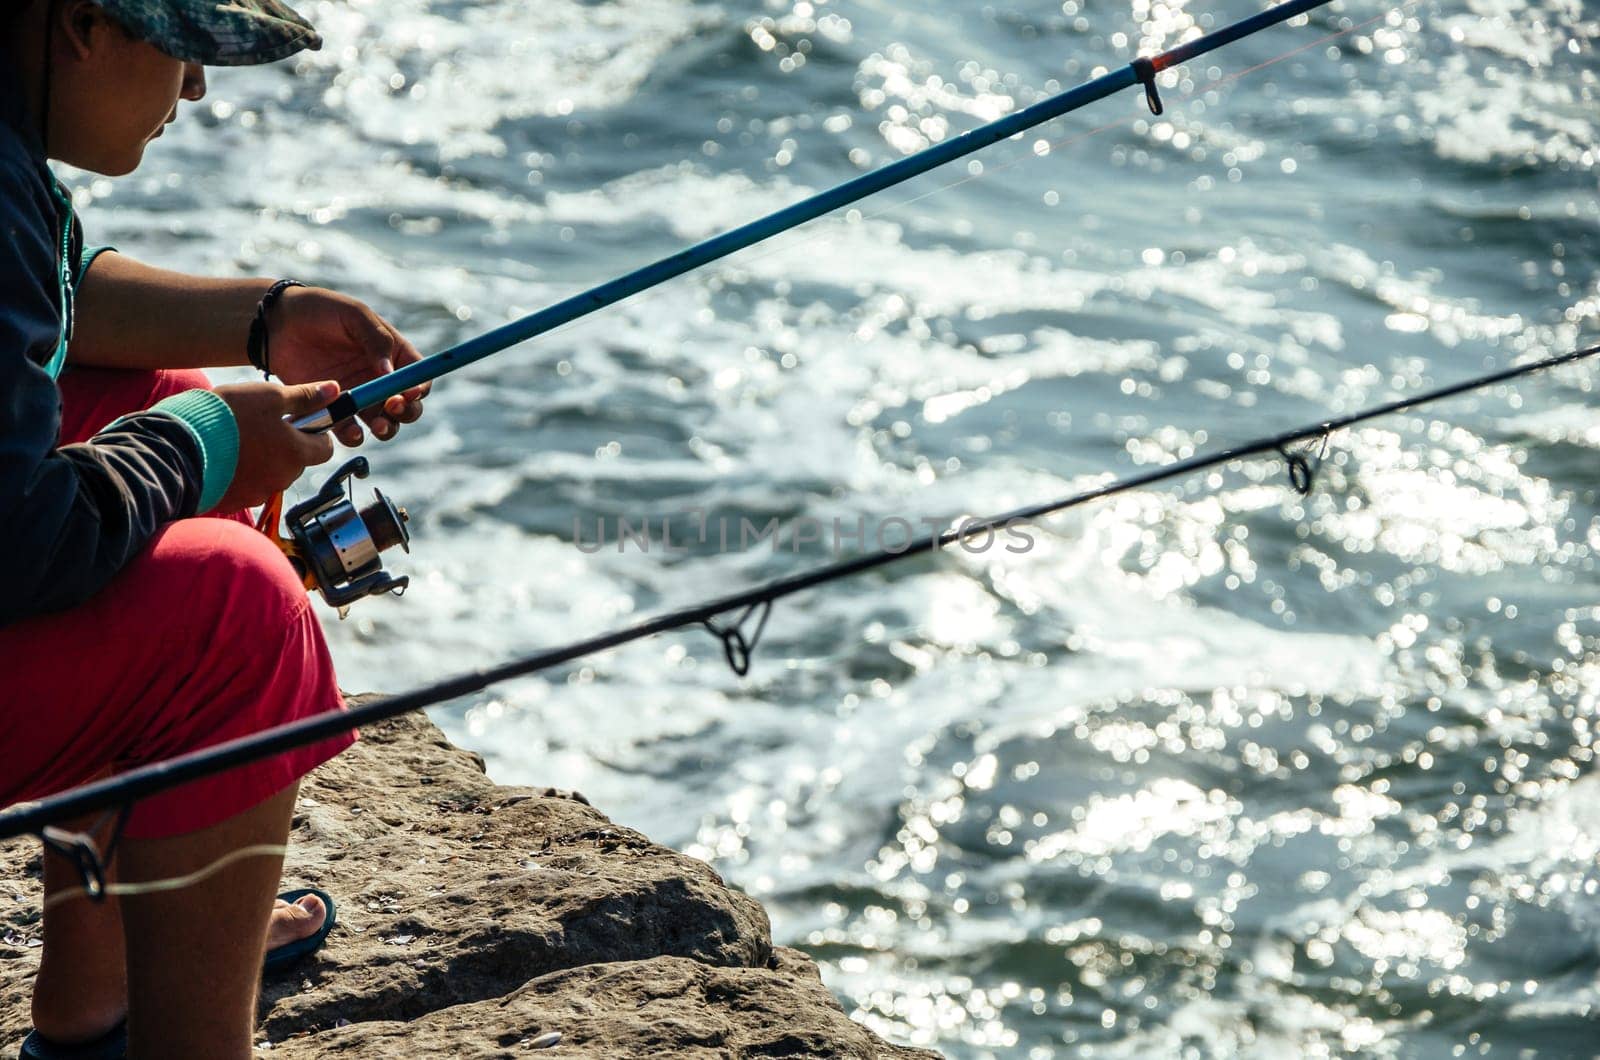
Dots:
pixel 342 408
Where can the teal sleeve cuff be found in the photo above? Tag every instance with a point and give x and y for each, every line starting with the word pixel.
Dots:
pixel 210 420
pixel 86 259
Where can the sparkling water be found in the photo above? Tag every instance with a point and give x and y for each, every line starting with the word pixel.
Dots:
pixel 1210 770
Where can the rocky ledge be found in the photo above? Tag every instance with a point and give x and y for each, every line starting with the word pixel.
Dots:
pixel 484 921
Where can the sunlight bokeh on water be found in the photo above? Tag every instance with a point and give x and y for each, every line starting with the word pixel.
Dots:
pixel 1208 771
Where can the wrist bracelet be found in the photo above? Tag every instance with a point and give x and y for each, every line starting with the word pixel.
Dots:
pixel 256 348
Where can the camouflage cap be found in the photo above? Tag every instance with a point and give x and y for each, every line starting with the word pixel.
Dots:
pixel 216 32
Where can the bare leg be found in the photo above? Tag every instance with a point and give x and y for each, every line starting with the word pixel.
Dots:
pixel 81 991
pixel 82 988
pixel 194 955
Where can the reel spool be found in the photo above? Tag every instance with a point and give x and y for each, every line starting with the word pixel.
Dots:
pixel 337 546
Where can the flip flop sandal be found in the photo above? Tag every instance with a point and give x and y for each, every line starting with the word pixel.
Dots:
pixel 291 953
pixel 113 1045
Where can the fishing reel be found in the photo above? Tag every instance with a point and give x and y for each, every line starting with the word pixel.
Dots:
pixel 337 547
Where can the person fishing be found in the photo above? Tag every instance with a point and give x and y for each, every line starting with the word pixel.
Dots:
pixel 132 629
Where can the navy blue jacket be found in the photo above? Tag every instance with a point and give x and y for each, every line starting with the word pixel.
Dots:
pixel 71 516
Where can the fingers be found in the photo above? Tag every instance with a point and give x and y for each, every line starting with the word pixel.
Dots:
pixel 368 331
pixel 397 410
pixel 312 449
pixel 303 400
pixel 403 353
pixel 306 398
pixel 405 407
pixel 376 340
pixel 391 350
pixel 349 433
pixel 382 350
pixel 380 424
pixel 272 451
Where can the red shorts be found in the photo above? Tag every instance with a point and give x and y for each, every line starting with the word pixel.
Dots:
pixel 205 636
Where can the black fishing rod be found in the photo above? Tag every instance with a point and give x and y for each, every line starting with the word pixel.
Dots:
pixel 1141 71
pixel 121 791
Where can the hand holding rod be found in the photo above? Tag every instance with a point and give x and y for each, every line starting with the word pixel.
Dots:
pixel 374 393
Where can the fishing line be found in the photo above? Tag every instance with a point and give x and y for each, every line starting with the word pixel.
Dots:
pixel 1189 98
pixel 738 639
pixel 166 883
pixel 836 225
pixel 1033 153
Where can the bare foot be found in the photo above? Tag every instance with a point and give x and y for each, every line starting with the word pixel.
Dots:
pixel 290 923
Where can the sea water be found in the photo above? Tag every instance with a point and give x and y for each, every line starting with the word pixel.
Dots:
pixel 1203 770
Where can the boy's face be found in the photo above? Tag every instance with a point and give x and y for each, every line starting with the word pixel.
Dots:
pixel 113 95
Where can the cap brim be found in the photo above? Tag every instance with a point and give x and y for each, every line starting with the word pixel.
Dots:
pixel 217 32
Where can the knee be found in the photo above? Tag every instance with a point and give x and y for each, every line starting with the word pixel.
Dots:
pixel 226 575
pixel 262 585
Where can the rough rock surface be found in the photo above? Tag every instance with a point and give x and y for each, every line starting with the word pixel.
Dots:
pixel 474 920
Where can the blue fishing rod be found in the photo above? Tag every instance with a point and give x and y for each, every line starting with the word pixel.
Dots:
pixel 336 544
pixel 1141 71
